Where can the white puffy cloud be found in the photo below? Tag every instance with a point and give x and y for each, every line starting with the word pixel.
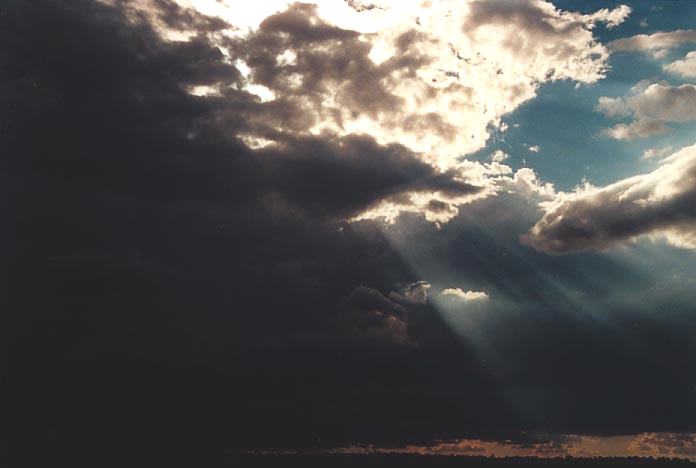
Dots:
pixel 534 148
pixel 657 153
pixel 651 107
pixel 461 295
pixel 499 156
pixel 667 103
pixel 656 44
pixel 612 18
pixel 525 183
pixel 661 203
pixel 641 128
pixel 685 67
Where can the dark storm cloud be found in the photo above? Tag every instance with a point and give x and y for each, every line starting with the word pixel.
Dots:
pixel 372 315
pixel 349 174
pixel 165 285
pixel 365 298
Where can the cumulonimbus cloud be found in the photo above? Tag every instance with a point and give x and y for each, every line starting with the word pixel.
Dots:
pixel 661 203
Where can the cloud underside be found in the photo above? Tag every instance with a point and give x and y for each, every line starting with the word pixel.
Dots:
pixel 433 80
pixel 661 203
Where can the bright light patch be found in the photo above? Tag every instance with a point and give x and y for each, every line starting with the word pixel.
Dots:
pixel 461 295
pixel 204 90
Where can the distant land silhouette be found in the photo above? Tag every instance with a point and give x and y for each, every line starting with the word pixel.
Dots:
pixel 439 461
pixel 125 458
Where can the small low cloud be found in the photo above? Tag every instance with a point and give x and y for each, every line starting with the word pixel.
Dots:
pixel 534 148
pixel 657 153
pixel 499 156
pixel 642 128
pixel 461 295
pixel 657 44
pixel 527 184
pixel 685 67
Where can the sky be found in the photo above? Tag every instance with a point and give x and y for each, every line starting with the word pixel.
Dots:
pixel 423 226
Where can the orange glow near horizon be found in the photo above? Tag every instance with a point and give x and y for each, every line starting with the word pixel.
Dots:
pixel 657 445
